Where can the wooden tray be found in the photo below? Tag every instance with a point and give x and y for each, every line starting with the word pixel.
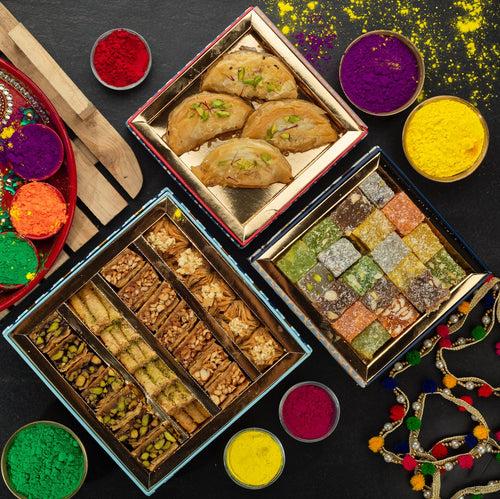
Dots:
pixel 96 144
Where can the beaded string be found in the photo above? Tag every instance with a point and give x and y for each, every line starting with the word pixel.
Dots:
pixel 480 442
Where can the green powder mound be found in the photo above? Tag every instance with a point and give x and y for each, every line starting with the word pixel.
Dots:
pixel 18 260
pixel 45 462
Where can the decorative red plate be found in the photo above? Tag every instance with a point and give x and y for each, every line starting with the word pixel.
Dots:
pixel 22 103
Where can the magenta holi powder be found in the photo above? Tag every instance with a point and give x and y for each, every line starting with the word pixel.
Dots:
pixel 309 411
pixel 35 152
pixel 379 73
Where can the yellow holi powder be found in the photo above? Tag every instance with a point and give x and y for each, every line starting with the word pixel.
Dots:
pixel 444 138
pixel 7 132
pixel 254 457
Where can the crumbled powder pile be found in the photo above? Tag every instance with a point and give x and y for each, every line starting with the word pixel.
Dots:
pixel 457 38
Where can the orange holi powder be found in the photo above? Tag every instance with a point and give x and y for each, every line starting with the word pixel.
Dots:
pixel 38 210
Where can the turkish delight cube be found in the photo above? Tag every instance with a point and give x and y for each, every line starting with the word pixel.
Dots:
pixel 373 230
pixel 423 242
pixel 334 300
pixel 297 261
pixel 356 318
pixel 408 268
pixel 403 213
pixel 322 235
pixel 371 339
pixel 426 292
pixel 362 275
pixel 340 256
pixel 352 211
pixel 390 252
pixel 316 281
pixel 376 190
pixel 398 316
pixel 445 268
pixel 378 298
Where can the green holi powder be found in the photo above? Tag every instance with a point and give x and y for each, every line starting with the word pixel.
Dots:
pixel 45 462
pixel 18 260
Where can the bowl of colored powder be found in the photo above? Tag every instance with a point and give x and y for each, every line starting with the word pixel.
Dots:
pixel 381 72
pixel 309 411
pixel 44 460
pixel 445 138
pixel 254 458
pixel 38 210
pixel 35 152
pixel 18 261
pixel 120 59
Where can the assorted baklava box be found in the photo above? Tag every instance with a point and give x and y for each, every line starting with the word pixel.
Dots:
pixel 369 267
pixel 156 342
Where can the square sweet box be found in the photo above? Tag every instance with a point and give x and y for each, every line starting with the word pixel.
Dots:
pixel 245 212
pixel 369 267
pixel 156 342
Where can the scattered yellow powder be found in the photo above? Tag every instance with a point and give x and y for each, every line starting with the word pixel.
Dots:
pixel 7 132
pixel 444 138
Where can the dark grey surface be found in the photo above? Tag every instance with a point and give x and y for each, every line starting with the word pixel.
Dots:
pixel 341 466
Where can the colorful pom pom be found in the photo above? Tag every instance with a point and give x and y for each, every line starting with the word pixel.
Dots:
pixel 375 444
pixel 489 300
pixel 470 440
pixel 389 383
pixel 497 348
pixel 478 332
pixel 409 462
pixel 445 343
pixel 497 436
pixel 449 381
pixel 439 451
pixel 497 456
pixel 413 357
pixel 443 330
pixel 402 447
pixel 413 423
pixel 427 469
pixel 397 412
pixel 477 496
pixel 481 432
pixel 485 391
pixel 465 461
pixel 466 399
pixel 429 386
pixel 417 482
pixel 464 307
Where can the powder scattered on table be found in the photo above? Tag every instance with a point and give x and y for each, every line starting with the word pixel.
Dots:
pixel 254 458
pixel 444 138
pixel 121 58
pixel 38 210
pixel 45 462
pixel 379 73
pixel 308 412
pixel 35 152
pixel 18 260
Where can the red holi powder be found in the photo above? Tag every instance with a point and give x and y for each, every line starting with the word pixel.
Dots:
pixel 121 58
pixel 308 412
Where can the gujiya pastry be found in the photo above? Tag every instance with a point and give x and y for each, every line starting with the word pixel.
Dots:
pixel 372 266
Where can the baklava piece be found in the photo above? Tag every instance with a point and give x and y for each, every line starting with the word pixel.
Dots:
pixel 262 349
pixel 140 288
pixel 158 306
pixel 122 268
pixel 227 385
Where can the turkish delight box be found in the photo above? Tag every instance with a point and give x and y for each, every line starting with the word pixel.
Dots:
pixel 370 267
pixel 156 342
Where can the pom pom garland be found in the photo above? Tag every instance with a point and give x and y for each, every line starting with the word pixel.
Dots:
pixel 467 399
pixel 429 386
pixel 375 444
pixel 485 391
pixel 439 451
pixel 445 343
pixel 481 432
pixel 413 423
pixel 413 357
pixel 465 461
pixel 427 469
pixel 464 307
pixel 409 463
pixel 389 383
pixel 449 381
pixel 443 330
pixel 470 440
pixel 497 436
pixel 478 332
pixel 417 482
pixel 397 412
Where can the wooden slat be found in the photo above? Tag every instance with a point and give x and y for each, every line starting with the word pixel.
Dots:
pixel 94 130
pixel 82 230
pixel 95 191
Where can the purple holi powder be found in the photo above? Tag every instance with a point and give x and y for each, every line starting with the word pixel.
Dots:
pixel 36 152
pixel 379 73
